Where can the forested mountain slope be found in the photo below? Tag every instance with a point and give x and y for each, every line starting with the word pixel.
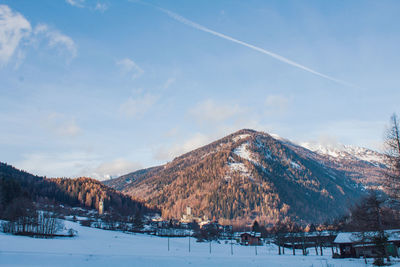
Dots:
pixel 251 175
pixel 83 192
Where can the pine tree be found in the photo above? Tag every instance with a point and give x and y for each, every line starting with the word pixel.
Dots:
pixel 138 221
pixel 256 227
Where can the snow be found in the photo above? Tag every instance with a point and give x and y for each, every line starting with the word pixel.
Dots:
pixel 95 247
pixel 295 165
pixel 234 166
pixel 346 151
pixel 238 166
pixel 240 137
pixel 277 137
pixel 243 151
pixel 350 237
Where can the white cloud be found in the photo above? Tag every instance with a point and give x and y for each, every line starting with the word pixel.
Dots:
pixel 102 7
pixel 75 164
pixel 76 3
pixel 62 164
pixel 168 83
pixel 168 153
pixel 115 168
pixel 129 67
pixel 56 39
pixel 13 28
pixel 61 125
pixel 210 111
pixel 136 107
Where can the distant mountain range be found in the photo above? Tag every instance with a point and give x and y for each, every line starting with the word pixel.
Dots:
pixel 252 175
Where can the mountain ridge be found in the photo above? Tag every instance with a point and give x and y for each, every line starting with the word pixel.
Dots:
pixel 251 175
pixel 79 192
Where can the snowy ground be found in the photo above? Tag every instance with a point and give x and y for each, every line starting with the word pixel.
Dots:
pixel 95 247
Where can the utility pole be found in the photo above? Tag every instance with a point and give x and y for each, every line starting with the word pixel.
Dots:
pixel 231 245
pixel 189 243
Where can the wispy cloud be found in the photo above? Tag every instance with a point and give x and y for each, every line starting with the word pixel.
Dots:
pixel 56 39
pixel 129 67
pixel 75 163
pixel 211 111
pixel 114 168
pixel 13 28
pixel 99 6
pixel 168 153
pixel 170 81
pixel 102 7
pixel 76 3
pixel 62 125
pixel 60 164
pixel 136 107
pixel 197 26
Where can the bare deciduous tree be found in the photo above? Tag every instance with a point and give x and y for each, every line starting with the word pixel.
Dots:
pixel 392 152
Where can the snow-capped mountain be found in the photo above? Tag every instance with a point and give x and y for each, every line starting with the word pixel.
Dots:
pixel 253 175
pixel 347 152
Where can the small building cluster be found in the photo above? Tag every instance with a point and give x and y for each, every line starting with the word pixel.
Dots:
pixel 189 217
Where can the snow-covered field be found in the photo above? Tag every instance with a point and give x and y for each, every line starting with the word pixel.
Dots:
pixel 95 247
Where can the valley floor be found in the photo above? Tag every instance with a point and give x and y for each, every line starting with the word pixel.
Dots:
pixel 95 247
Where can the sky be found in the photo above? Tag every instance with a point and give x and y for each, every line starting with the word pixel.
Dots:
pixel 101 88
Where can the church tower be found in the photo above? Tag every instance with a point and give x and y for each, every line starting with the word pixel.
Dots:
pixel 101 206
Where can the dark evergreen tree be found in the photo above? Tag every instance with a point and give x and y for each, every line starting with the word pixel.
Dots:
pixel 255 227
pixel 138 221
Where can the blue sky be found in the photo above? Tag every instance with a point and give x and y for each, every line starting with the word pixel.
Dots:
pixel 101 88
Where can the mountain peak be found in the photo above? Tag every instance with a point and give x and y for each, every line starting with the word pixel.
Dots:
pixel 251 175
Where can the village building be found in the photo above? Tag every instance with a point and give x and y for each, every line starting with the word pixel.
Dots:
pixel 307 240
pixel 250 239
pixel 188 218
pixel 101 206
pixel 360 244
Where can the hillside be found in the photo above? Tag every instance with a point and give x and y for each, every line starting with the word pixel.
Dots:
pixel 83 192
pixel 252 175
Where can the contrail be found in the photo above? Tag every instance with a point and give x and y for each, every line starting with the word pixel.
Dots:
pixel 256 48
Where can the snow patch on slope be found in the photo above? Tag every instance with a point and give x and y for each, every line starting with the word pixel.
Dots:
pixel 238 166
pixel 240 137
pixel 243 151
pixel 295 165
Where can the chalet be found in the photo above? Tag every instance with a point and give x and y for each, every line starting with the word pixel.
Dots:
pixel 360 244
pixel 306 240
pixel 249 239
